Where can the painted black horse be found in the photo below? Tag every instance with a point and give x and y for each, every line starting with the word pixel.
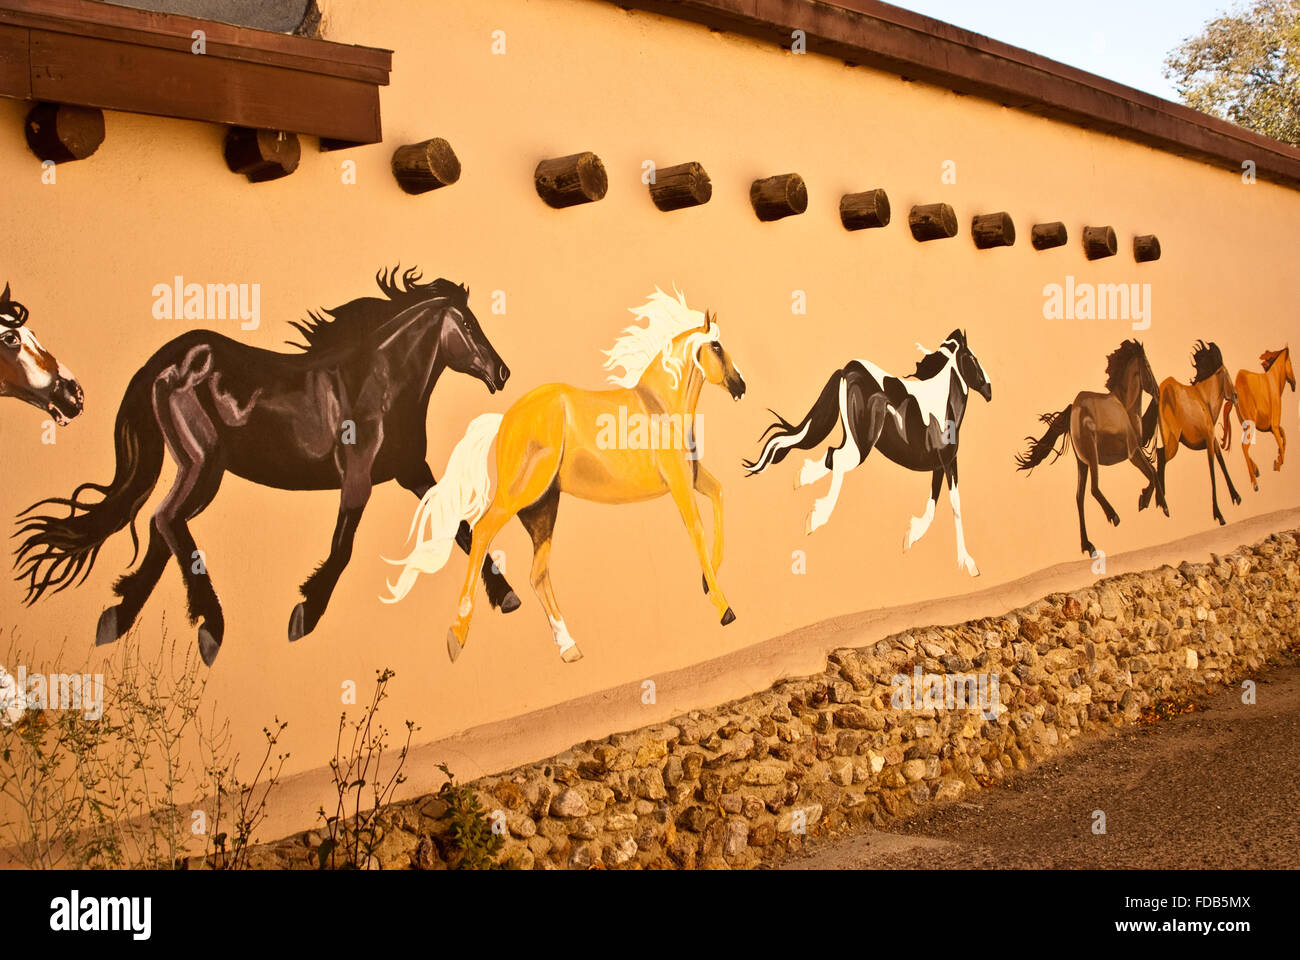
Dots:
pixel 346 413
pixel 914 421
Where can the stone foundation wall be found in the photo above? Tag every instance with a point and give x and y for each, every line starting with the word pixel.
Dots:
pixel 748 782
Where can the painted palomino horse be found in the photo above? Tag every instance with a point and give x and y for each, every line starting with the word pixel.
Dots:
pixel 1188 413
pixel 1105 429
pixel 559 439
pixel 345 414
pixel 27 370
pixel 1259 404
pixel 914 421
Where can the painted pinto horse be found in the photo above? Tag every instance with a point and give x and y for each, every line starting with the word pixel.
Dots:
pixel 914 421
pixel 1188 414
pixel 1259 405
pixel 560 439
pixel 27 370
pixel 1105 429
pixel 345 414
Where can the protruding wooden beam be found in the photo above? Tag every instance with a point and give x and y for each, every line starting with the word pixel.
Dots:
pixel 62 133
pixel 864 211
pixel 773 198
pixel 428 165
pixel 685 185
pixel 261 155
pixel 569 181
pixel 1045 236
pixel 993 230
pixel 1099 242
pixel 932 221
pixel 1146 248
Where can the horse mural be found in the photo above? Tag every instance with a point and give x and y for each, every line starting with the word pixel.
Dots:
pixel 914 421
pixel 1105 429
pixel 1259 404
pixel 346 413
pixel 29 372
pixel 561 439
pixel 1188 414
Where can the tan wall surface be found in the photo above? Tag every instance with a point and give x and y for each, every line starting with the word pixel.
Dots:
pixel 157 201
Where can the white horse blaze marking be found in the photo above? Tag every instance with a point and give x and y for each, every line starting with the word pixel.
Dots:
pixel 964 559
pixel 37 378
pixel 561 632
pixel 920 525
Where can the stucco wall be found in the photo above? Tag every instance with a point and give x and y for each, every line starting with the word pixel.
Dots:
pixel 157 201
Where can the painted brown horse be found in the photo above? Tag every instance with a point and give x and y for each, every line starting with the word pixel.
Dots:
pixel 28 371
pixel 1188 413
pixel 1259 405
pixel 1105 429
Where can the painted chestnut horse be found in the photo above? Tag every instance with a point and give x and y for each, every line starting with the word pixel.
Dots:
pixel 28 372
pixel 1188 414
pixel 560 439
pixel 1105 429
pixel 914 421
pixel 345 414
pixel 1259 404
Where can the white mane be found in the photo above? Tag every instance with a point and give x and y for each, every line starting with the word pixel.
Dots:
pixel 665 318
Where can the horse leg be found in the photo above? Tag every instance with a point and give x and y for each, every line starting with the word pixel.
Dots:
pixel 921 524
pixel 539 520
pixel 848 456
pixel 195 487
pixel 1139 459
pixel 134 588
pixel 419 480
pixel 964 559
pixel 1093 473
pixel 1218 455
pixel 812 470
pixel 707 484
pixel 1214 493
pixel 1252 471
pixel 1078 497
pixel 683 494
pixel 1280 436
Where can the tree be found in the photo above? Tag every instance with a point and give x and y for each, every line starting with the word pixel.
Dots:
pixel 1245 67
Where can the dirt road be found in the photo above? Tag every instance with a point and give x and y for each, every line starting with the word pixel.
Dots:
pixel 1212 789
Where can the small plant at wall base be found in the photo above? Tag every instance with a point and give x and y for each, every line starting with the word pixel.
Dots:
pixel 351 831
pixel 1245 67
pixel 227 851
pixel 476 844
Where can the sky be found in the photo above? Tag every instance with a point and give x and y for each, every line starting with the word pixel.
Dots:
pixel 1122 40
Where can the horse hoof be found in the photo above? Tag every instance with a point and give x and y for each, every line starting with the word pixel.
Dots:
pixel 209 646
pixel 296 623
pixel 106 629
pixel 510 602
pixel 453 645
pixel 571 655
pixel 706 582
pixel 728 617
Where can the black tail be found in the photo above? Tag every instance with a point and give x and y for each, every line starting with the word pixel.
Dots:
pixel 1058 428
pixel 1150 419
pixel 812 430
pixel 58 549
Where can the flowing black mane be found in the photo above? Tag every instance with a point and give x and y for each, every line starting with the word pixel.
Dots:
pixel 933 363
pixel 1118 362
pixel 1269 358
pixel 348 323
pixel 1207 360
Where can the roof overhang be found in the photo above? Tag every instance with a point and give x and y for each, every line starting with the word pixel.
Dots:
pixel 879 35
pixel 122 58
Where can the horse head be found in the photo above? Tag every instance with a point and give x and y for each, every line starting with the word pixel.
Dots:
pixel 713 359
pixel 30 372
pixel 464 346
pixel 969 367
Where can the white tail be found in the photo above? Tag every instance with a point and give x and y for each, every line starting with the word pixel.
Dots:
pixel 462 494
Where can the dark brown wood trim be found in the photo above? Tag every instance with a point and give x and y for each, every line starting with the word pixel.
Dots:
pixel 120 58
pixel 885 37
